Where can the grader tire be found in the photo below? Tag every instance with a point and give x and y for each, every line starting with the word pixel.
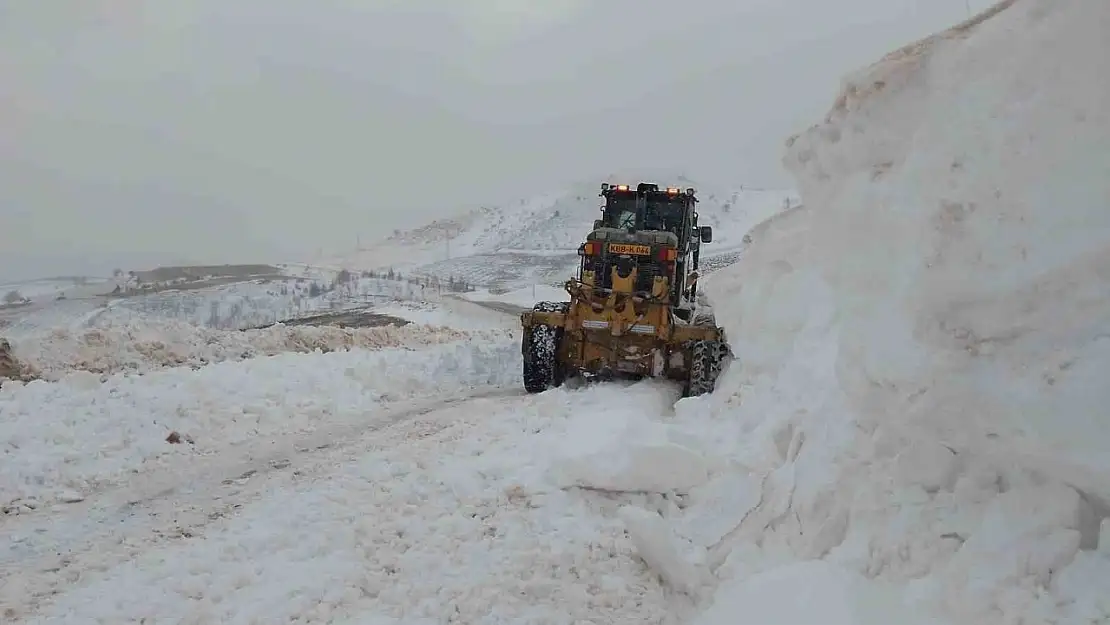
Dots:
pixel 707 359
pixel 541 364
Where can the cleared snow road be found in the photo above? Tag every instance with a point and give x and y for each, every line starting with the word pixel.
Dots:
pixel 453 514
pixel 507 308
pixel 174 502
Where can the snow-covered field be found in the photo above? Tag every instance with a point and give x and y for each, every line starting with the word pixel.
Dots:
pixel 913 431
pixel 251 304
pixel 232 306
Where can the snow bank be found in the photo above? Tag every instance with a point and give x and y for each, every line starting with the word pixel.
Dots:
pixel 79 434
pixel 149 344
pixel 921 393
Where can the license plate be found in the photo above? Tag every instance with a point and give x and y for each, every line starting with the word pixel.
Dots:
pixel 624 248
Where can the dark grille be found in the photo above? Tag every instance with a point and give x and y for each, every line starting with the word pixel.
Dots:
pixel 648 272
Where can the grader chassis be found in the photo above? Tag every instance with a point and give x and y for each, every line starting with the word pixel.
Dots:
pixel 634 309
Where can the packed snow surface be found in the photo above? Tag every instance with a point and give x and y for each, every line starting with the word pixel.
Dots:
pixel 923 346
pixel 455 515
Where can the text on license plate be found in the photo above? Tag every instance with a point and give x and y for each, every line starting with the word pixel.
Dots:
pixel 624 248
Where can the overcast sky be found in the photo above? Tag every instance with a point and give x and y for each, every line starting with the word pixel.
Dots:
pixel 135 132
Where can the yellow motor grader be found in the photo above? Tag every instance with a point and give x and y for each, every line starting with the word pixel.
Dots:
pixel 634 308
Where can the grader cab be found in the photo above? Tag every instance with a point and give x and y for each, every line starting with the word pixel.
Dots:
pixel 634 307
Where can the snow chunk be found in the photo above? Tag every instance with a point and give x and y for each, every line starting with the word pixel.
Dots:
pixel 809 592
pixel 927 464
pixel 630 454
pixel 1081 587
pixel 1026 533
pixel 719 507
pixel 660 548
pixel 651 467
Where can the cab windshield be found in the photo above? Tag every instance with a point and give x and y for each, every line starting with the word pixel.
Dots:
pixel 622 212
pixel 653 211
pixel 664 214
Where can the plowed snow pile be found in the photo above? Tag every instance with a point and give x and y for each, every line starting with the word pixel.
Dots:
pixel 151 344
pixel 922 398
pixel 80 434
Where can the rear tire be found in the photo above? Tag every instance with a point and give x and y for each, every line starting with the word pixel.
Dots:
pixel 706 361
pixel 541 358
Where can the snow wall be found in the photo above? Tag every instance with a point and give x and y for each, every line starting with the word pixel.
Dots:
pixel 924 345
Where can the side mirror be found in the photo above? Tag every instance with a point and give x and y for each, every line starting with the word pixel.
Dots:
pixel 598 223
pixel 706 234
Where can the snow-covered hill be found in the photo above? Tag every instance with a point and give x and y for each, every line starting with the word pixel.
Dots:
pixel 536 239
pixel 923 347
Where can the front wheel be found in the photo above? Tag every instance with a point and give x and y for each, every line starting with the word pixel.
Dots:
pixel 541 362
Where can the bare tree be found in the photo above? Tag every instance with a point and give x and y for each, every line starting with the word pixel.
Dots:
pixel 13 297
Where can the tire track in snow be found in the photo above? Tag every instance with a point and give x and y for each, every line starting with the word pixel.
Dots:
pixel 464 471
pixel 47 552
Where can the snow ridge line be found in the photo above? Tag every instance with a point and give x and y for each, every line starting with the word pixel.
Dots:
pixel 140 348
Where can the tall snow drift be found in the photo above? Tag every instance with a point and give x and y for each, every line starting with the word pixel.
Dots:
pixel 929 336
